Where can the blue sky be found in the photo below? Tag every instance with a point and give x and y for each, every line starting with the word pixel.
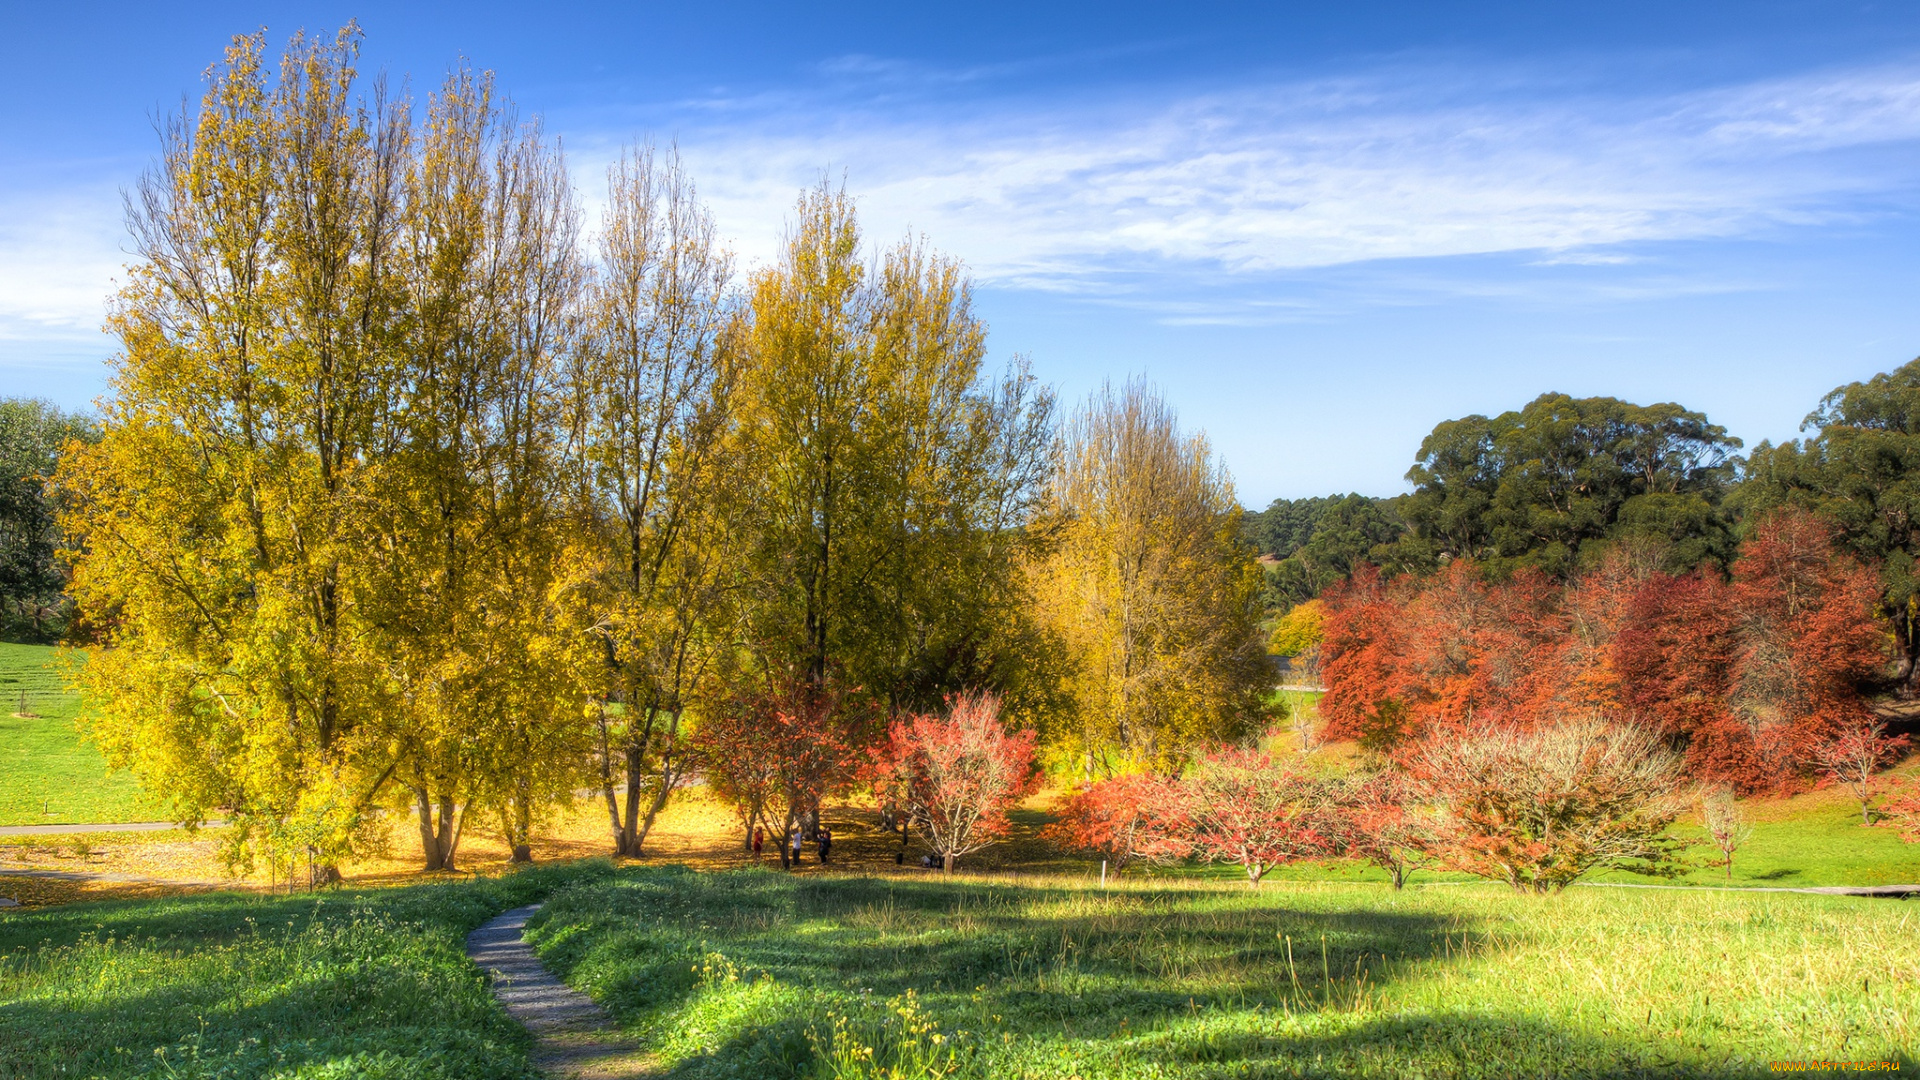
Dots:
pixel 1321 228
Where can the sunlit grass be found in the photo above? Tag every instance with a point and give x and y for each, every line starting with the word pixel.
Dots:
pixel 47 773
pixel 348 984
pixel 1163 979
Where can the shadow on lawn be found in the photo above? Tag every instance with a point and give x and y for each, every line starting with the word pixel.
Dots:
pixel 1038 960
pixel 363 983
pixel 1448 1045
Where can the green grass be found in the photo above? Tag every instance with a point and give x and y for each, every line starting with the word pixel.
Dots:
pixel 763 975
pixel 753 974
pixel 351 984
pixel 47 774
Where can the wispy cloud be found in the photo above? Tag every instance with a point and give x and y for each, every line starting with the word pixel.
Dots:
pixel 1283 177
pixel 1268 182
pixel 59 253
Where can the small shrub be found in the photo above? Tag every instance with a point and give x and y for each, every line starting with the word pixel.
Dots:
pixel 1540 809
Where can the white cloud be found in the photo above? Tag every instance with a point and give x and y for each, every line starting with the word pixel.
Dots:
pixel 59 254
pixel 1288 177
pixel 1098 197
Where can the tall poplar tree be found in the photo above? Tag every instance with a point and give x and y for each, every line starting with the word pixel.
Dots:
pixel 651 401
pixel 1151 590
pixel 255 388
pixel 888 486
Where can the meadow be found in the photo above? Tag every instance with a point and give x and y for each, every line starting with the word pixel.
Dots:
pixel 48 775
pixel 754 973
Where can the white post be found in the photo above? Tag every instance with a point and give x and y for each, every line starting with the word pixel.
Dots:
pixel 1103 873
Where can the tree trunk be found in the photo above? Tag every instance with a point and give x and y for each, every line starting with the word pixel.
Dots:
pixel 946 865
pixel 446 834
pixel 629 841
pixel 1399 877
pixel 429 847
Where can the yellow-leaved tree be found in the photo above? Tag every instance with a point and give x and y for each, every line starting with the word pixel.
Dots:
pixel 327 531
pixel 253 398
pixel 1151 591
pixel 651 413
pixel 888 482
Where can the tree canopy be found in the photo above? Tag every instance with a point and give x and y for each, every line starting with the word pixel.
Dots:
pixel 33 578
pixel 1554 484
pixel 1860 469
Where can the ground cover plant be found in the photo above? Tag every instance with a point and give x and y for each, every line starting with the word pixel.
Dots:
pixel 47 773
pixel 761 974
pixel 368 983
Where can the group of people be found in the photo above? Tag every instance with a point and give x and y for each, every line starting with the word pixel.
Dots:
pixel 822 835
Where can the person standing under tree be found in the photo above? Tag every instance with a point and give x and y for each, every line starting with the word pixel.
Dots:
pixel 826 843
pixel 758 836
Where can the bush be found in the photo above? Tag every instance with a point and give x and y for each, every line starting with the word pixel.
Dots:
pixel 1540 809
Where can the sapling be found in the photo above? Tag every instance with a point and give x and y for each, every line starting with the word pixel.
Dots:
pixel 1726 823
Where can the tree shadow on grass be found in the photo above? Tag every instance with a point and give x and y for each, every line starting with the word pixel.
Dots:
pixel 1029 959
pixel 1445 1045
pixel 367 983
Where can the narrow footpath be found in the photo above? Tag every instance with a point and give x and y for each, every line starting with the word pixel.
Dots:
pixel 573 1038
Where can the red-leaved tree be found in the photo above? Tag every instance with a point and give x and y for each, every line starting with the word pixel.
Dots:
pixel 1246 808
pixel 778 754
pixel 1539 809
pixel 738 744
pixel 1130 817
pixel 1383 819
pixel 1360 655
pixel 1902 811
pixel 954 776
pixel 1807 641
pixel 1853 757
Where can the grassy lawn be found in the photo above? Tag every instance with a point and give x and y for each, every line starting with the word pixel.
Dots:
pixel 343 985
pixel 755 973
pixel 47 775
pixel 759 974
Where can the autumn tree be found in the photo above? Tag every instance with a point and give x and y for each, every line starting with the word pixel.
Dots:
pixel 1540 809
pixel 738 745
pixel 323 525
pixel 1246 808
pixel 1150 589
pixel 254 393
pixel 887 479
pixel 1380 817
pixel 1725 824
pixel 476 578
pixel 1123 818
pixel 1806 639
pixel 955 776
pixel 1854 755
pixel 651 414
pixel 1458 650
pixel 777 752
pixel 1860 471
pixel 1362 659
pixel 1902 811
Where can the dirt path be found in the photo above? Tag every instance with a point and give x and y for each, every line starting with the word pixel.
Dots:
pixel 136 879
pixel 573 1038
pixel 71 830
